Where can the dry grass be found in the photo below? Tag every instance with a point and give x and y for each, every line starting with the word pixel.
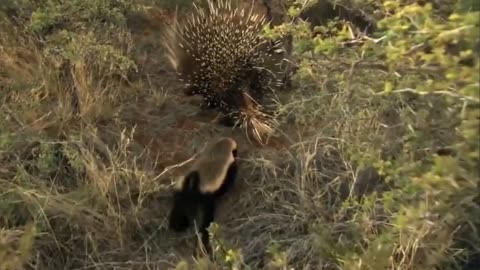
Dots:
pixel 83 149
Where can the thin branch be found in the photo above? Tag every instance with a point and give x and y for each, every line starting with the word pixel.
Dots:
pixel 440 92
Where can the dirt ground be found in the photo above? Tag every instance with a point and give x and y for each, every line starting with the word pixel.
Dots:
pixel 173 131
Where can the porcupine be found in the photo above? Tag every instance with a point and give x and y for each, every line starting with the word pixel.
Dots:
pixel 220 54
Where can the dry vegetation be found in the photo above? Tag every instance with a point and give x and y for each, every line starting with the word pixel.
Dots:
pixel 375 163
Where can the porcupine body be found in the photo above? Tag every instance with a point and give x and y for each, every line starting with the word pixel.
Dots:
pixel 219 53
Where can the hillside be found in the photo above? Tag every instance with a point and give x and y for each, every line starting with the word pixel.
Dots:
pixel 373 165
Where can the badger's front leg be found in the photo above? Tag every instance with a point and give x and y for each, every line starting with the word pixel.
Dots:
pixel 208 218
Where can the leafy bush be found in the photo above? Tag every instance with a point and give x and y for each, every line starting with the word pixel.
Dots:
pixel 428 63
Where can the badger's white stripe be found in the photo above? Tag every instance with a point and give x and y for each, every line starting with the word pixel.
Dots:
pixel 212 165
pixel 213 179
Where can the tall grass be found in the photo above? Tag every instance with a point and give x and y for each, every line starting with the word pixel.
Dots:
pixel 375 165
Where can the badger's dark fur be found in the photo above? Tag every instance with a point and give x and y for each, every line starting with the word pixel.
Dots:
pixel 210 176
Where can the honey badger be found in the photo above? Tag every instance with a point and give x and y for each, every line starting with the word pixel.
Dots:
pixel 211 175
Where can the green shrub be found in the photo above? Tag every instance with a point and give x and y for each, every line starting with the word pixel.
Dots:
pixel 427 62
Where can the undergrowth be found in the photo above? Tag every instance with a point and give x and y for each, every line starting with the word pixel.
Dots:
pixel 379 168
